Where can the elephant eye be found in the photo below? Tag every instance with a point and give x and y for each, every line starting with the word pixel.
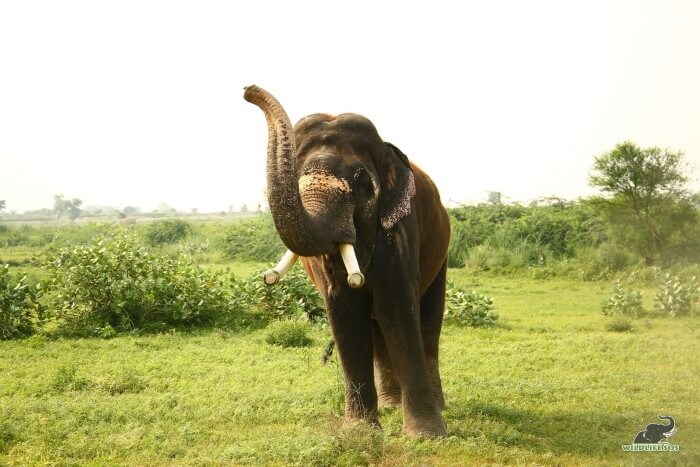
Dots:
pixel 364 183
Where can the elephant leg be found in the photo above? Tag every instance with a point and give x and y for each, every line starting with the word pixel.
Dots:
pixel 388 388
pixel 397 315
pixel 349 316
pixel 432 308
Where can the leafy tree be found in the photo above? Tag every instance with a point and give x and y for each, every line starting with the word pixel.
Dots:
pixel 2 204
pixel 648 197
pixel 66 207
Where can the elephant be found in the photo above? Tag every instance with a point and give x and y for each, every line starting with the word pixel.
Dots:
pixel 655 432
pixel 372 234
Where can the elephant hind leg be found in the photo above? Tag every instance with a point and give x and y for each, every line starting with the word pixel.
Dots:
pixel 386 380
pixel 432 308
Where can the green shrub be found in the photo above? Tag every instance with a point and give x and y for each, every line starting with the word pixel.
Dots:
pixel 619 324
pixel 469 308
pixel 506 259
pixel 167 231
pixel 622 302
pixel 253 239
pixel 13 237
pixel 676 297
pixel 520 236
pixel 293 296
pixel 458 251
pixel 288 333
pixel 604 261
pixel 113 284
pixel 19 306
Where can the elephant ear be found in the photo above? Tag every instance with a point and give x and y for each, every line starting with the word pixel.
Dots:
pixel 397 186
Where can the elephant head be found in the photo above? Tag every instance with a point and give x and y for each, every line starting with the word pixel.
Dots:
pixel 330 180
pixel 654 432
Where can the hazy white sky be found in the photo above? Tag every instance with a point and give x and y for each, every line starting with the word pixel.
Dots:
pixel 140 103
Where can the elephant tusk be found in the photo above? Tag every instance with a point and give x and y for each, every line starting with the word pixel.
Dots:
pixel 273 276
pixel 355 277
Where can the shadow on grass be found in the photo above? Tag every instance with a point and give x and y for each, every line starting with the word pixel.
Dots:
pixel 583 433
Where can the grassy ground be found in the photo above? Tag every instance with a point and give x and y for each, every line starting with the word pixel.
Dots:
pixel 550 386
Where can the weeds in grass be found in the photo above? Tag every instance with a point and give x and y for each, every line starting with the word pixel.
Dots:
pixel 356 443
pixel 123 382
pixel 288 333
pixel 619 324
pixel 65 379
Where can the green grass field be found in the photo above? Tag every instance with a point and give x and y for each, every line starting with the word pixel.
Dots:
pixel 548 386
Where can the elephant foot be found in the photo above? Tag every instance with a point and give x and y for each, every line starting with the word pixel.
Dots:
pixel 357 412
pixel 424 427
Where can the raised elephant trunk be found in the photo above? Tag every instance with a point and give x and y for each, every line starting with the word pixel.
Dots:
pixel 302 234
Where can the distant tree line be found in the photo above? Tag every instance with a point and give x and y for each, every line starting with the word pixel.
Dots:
pixel 646 214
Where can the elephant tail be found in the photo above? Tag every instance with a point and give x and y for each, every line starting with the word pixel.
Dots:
pixel 328 353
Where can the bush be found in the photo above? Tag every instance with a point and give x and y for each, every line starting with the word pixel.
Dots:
pixel 622 302
pixel 166 231
pixel 676 297
pixel 113 284
pixel 13 237
pixel 253 239
pixel 293 296
pixel 522 236
pixel 458 251
pixel 604 261
pixel 619 324
pixel 19 306
pixel 506 259
pixel 469 308
pixel 288 334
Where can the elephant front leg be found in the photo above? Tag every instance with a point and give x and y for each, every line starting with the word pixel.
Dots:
pixel 349 316
pixel 398 319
